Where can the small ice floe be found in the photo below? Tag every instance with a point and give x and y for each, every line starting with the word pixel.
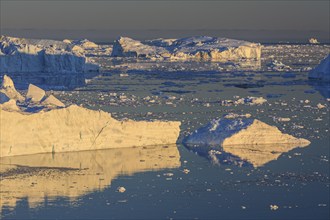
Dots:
pixel 273 207
pixel 250 100
pixel 121 189
pixel 283 119
pixel 123 75
pixel 278 66
pixel 234 115
pixel 168 174
pixel 320 106
pixel 186 171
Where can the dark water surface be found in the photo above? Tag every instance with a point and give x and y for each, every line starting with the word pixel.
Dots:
pixel 171 181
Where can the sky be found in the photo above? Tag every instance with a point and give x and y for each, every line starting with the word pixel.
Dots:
pixel 104 19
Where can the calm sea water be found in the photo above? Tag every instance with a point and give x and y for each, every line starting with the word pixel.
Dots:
pixel 172 182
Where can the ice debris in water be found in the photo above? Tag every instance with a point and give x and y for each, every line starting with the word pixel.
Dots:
pixel 121 189
pixel 275 65
pixel 273 207
pixel 250 100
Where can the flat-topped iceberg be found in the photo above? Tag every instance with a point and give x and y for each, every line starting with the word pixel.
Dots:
pixel 46 56
pixel 43 125
pixel 192 48
pixel 241 136
pixel 321 71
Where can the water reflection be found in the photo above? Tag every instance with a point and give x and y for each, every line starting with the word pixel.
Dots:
pixel 47 176
pixel 244 155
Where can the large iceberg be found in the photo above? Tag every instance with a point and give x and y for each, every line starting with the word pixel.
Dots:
pixel 321 71
pixel 46 56
pixel 43 125
pixel 251 140
pixel 192 48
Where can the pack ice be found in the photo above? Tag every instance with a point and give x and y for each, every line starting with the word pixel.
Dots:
pixel 321 71
pixel 42 124
pixel 200 48
pixel 247 138
pixel 44 56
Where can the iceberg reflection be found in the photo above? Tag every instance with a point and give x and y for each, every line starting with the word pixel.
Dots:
pixel 73 174
pixel 244 155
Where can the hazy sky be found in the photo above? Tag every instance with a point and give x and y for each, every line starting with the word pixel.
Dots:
pixel 164 15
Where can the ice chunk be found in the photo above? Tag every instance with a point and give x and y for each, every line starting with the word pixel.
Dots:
pixel 35 94
pixel 322 71
pixel 52 101
pixel 9 89
pixel 9 105
pixel 275 65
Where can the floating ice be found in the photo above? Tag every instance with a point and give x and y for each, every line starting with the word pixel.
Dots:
pixel 313 41
pixel 46 56
pixel 201 48
pixel 75 128
pixel 35 93
pixel 241 139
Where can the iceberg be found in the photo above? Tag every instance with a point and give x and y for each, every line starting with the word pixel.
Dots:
pixel 249 139
pixel 34 128
pixel 46 56
pixel 127 47
pixel 322 71
pixel 313 41
pixel 192 48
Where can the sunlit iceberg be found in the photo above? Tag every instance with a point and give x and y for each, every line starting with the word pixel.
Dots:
pixel 43 124
pixel 241 140
pixel 192 48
